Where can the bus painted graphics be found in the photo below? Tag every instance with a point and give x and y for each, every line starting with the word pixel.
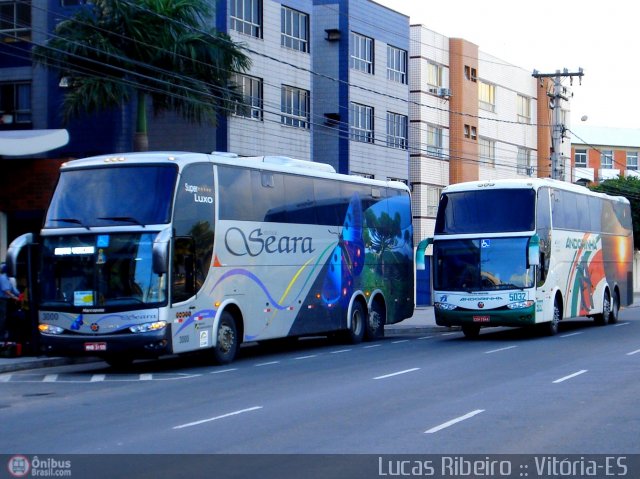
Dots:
pixel 178 252
pixel 533 260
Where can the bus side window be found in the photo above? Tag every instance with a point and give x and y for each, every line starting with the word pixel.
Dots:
pixel 543 228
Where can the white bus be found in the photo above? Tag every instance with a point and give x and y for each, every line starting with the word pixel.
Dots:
pixel 159 253
pixel 529 252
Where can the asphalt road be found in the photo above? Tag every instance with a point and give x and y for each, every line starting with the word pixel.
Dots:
pixel 507 392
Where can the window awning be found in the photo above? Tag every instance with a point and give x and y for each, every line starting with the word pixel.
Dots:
pixel 31 142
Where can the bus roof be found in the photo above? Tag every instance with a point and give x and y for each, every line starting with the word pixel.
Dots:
pixel 282 164
pixel 532 183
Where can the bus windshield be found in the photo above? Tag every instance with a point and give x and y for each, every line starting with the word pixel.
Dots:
pixel 97 271
pixel 486 211
pixel 481 264
pixel 111 196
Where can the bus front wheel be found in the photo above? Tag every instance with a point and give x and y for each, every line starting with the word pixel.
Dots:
pixel 551 328
pixel 227 340
pixel 471 331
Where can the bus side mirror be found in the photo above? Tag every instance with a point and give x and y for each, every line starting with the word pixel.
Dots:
pixel 420 252
pixel 14 251
pixel 160 258
pixel 533 253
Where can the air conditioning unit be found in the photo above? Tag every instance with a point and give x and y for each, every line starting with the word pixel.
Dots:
pixel 444 92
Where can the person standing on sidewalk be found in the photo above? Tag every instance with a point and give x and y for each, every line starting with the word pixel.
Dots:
pixel 8 293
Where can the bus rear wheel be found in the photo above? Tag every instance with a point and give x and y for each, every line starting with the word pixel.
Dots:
pixel 227 340
pixel 603 318
pixel 615 309
pixel 375 323
pixel 355 333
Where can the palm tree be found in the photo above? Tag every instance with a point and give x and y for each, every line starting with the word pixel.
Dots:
pixel 114 51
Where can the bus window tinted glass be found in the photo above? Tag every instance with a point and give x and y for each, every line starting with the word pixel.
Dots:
pixel 236 199
pixel 486 211
pixel 122 195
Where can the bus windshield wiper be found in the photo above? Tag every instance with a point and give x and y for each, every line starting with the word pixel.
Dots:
pixel 127 219
pixel 70 220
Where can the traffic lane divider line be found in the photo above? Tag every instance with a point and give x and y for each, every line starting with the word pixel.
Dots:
pixel 454 421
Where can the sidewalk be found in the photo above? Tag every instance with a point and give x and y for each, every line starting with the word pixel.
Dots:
pixel 422 322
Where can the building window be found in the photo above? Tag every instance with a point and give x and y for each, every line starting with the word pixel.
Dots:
pixel 361 123
pixel 487 96
pixel 250 88
pixel 361 53
pixel 524 162
pixel 632 160
pixel 397 131
pixel 434 77
pixel 607 159
pixel 397 64
pixel 524 109
pixel 434 141
pixel 470 73
pixel 433 198
pixel 487 152
pixel 15 21
pixel 294 29
pixel 470 132
pixel 294 105
pixel 15 103
pixel 581 158
pixel 246 17
pixel 369 176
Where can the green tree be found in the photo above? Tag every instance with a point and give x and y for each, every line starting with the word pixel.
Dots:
pixel 115 51
pixel 629 187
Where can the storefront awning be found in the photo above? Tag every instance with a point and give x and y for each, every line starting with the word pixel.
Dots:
pixel 31 142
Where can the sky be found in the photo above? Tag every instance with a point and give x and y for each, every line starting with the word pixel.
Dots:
pixel 600 37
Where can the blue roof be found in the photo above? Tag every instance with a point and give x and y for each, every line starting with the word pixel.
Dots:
pixel 605 136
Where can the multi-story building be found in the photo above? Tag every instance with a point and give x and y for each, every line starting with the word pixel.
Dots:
pixel 599 153
pixel 473 117
pixel 328 82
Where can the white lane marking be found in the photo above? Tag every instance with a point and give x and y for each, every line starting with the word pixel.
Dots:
pixel 202 421
pixel 306 357
pixel 146 377
pixel 425 337
pixel 570 334
pixel 50 378
pixel 400 341
pixel 570 376
pixel 622 324
pixel 498 350
pixel 98 378
pixel 224 371
pixel 267 364
pixel 340 351
pixel 454 421
pixel 633 352
pixel 372 346
pixel 396 373
pixel 449 334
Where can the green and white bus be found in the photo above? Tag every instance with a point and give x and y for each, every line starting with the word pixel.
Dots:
pixel 148 254
pixel 528 252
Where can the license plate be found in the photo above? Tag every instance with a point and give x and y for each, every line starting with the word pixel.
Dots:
pixel 481 319
pixel 95 346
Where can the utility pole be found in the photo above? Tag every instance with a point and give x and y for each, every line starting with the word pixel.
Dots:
pixel 558 127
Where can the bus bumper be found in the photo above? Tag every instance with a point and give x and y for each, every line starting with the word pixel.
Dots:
pixel 501 317
pixel 139 345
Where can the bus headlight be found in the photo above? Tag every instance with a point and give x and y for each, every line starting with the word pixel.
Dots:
pixel 146 327
pixel 520 305
pixel 50 329
pixel 445 306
